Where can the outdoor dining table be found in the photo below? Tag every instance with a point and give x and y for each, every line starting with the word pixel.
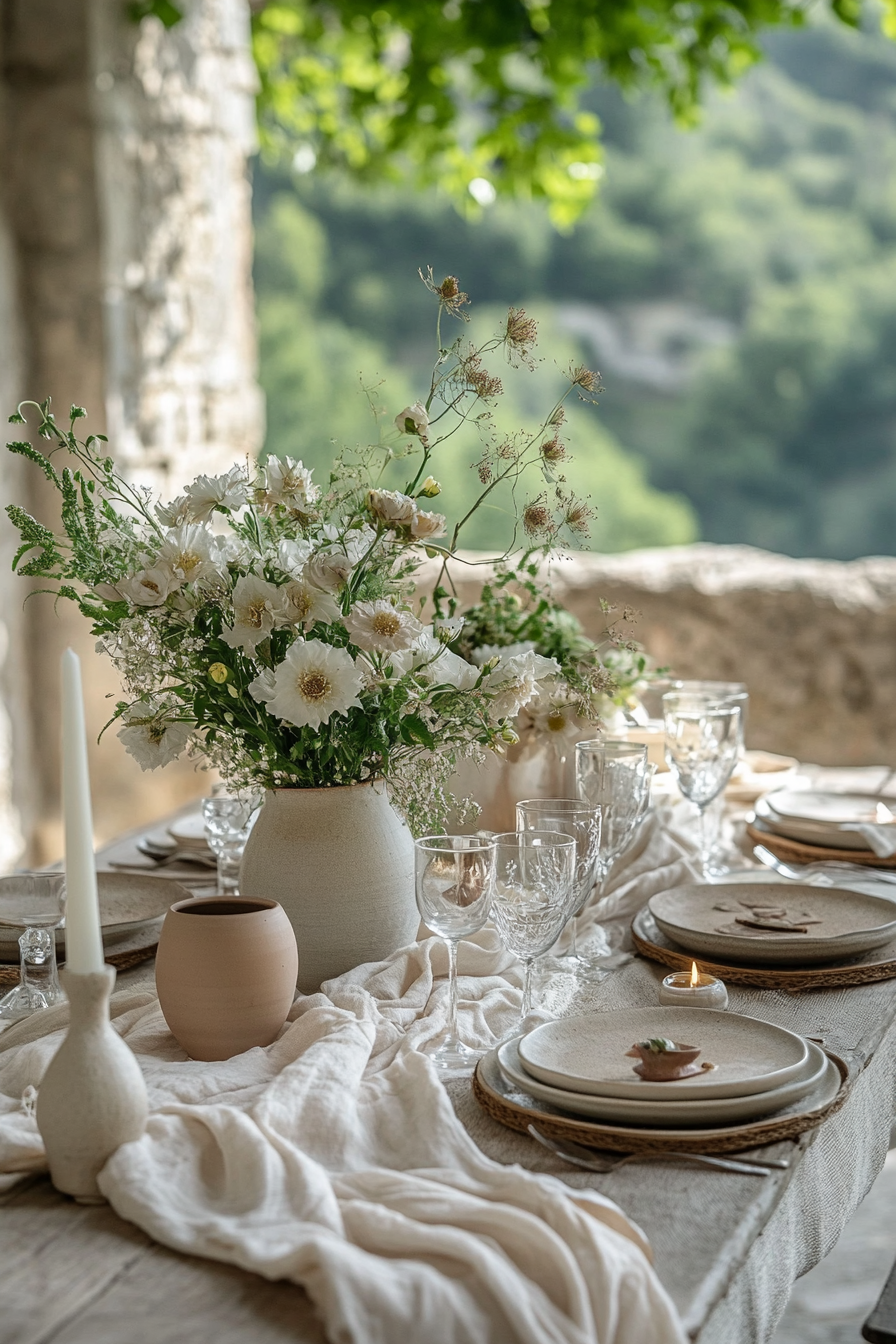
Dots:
pixel 727 1247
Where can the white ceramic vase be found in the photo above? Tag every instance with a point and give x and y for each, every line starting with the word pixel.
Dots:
pixel 340 861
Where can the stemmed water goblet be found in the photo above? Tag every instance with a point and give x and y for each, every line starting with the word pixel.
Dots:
pixel 721 855
pixel 576 818
pixel 534 878
pixel 228 822
pixel 37 902
pixel 703 738
pixel 455 877
pixel 614 776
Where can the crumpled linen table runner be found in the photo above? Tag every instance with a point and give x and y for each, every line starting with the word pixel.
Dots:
pixel 333 1158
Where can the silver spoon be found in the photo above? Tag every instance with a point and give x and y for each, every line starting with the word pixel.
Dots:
pixel 799 872
pixel 579 1156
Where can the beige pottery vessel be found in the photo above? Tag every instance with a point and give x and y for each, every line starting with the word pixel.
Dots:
pixel 341 863
pixel 225 974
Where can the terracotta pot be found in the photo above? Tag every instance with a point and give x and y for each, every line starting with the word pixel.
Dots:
pixel 225 974
pixel 341 863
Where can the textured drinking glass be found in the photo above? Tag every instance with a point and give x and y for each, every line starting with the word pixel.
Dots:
pixel 703 738
pixel 573 817
pixel 455 881
pixel 534 878
pixel 228 822
pixel 37 902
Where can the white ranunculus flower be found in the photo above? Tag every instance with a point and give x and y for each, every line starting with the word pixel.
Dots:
pixel 314 681
pixel 149 587
pixel 426 525
pixel 486 652
pixel 207 493
pixel 515 680
pixel 257 606
pixel 304 604
pixel 414 420
pixel 392 507
pixel 381 626
pixel 191 552
pixel 175 514
pixel 156 742
pixel 292 557
pixel 289 483
pixel 328 570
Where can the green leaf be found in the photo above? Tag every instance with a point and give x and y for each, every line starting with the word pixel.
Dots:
pixel 168 13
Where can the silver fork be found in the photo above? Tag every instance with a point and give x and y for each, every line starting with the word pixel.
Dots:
pixel 798 872
pixel 589 1160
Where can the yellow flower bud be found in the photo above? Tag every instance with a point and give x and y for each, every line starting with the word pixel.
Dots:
pixel 219 673
pixel 430 488
pixel 510 736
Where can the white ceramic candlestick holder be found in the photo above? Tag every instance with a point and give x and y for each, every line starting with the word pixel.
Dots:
pixel 93 1097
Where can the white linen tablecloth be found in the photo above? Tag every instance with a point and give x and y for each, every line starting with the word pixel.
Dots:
pixel 333 1158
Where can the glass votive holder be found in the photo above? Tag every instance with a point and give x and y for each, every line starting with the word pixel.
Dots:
pixel 693 989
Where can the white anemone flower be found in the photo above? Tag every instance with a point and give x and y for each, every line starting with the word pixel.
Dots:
pixel 208 493
pixel 292 557
pixel 155 741
pixel 314 681
pixel 328 570
pixel 425 525
pixel 515 681
pixel 414 420
pixel 257 606
pixel 175 514
pixel 486 652
pixel 149 587
pixel 304 605
pixel 192 552
pixel 289 483
pixel 550 709
pixel 380 626
pixel 392 507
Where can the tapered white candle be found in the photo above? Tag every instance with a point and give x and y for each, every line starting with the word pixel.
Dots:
pixel 83 940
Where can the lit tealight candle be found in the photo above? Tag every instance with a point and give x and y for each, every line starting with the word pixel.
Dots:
pixel 694 989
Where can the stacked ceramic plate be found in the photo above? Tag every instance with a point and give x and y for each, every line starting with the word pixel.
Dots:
pixel 580 1065
pixel 188 833
pixel 787 923
pixel 826 819
pixel 130 905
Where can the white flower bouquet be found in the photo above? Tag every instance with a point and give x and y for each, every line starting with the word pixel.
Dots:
pixel 271 626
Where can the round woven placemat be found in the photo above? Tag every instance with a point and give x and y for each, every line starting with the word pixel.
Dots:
pixel 802 853
pixel 122 961
pixel 863 970
pixel 487 1089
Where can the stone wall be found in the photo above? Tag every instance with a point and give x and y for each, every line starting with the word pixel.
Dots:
pixel 815 640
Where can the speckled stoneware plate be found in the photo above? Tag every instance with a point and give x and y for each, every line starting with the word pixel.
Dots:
pixel 587 1053
pixel 811 832
pixel 668 1111
pixel 706 919
pixel 129 902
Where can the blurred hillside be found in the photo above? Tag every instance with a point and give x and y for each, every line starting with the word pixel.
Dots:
pixel 734 285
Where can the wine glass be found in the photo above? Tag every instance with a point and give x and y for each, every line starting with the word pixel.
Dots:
pixel 455 880
pixel 534 878
pixel 37 901
pixel 722 855
pixel 614 776
pixel 228 822
pixel 570 816
pixel 702 742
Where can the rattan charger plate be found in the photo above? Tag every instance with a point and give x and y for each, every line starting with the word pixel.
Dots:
pixel 862 970
pixel 516 1110
pixel 798 852
pixel 122 955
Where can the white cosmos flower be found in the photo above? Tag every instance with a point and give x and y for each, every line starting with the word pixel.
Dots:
pixel 192 552
pixel 155 742
pixel 149 587
pixel 175 514
pixel 486 652
pixel 515 680
pixel 392 507
pixel 381 626
pixel 292 557
pixel 304 604
pixel 289 482
pixel 328 570
pixel 210 492
pixel 414 420
pixel 257 605
pixel 314 681
pixel 425 525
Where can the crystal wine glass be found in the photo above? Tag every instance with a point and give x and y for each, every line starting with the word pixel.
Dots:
pixel 455 882
pixel 722 856
pixel 534 879
pixel 228 822
pixel 614 776
pixel 702 744
pixel 569 816
pixel 37 901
